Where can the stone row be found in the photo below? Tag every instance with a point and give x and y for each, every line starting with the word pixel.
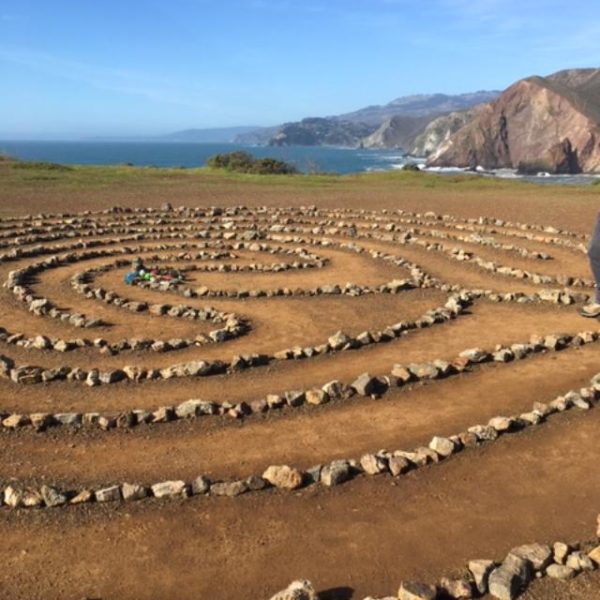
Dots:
pixel 32 374
pixel 335 390
pixel 454 223
pixel 504 579
pixel 287 478
pixel 213 212
pixel 398 225
pixel 462 256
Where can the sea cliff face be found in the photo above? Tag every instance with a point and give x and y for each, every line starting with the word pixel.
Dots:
pixel 437 133
pixel 538 124
pixel 396 132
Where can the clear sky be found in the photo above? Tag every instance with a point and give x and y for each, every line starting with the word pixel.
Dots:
pixel 127 67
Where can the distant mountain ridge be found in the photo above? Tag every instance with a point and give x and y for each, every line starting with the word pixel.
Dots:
pixel 547 123
pixel 418 106
pixel 392 125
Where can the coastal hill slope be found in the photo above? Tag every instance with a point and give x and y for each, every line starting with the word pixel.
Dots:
pixel 391 125
pixel 538 124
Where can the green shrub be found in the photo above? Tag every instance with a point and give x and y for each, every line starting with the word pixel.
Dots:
pixel 243 162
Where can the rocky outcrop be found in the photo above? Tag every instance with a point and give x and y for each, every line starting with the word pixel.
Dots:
pixel 321 132
pixel 396 132
pixel 437 133
pixel 538 124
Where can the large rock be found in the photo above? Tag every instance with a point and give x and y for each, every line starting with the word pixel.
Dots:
pixel 284 477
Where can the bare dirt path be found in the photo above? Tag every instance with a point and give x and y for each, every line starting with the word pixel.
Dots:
pixel 348 537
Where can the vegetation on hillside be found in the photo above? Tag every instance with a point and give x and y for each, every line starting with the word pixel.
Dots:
pixel 242 162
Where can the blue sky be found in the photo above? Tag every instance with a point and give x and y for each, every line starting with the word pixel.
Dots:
pixel 88 67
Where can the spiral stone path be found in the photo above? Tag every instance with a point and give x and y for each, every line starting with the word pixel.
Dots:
pixel 360 398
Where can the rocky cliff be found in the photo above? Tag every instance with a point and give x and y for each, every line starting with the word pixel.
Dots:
pixel 396 132
pixel 437 133
pixel 538 124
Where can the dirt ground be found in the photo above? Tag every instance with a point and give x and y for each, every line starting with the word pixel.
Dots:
pixel 358 539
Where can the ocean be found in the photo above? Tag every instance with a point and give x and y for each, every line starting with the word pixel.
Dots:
pixel 188 154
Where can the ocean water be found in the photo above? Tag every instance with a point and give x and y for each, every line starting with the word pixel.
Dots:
pixel 184 154
pixel 187 154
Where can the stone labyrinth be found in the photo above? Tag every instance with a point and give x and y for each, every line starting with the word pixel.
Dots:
pixel 297 344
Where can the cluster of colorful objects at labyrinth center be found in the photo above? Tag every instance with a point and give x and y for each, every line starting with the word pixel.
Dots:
pixel 163 275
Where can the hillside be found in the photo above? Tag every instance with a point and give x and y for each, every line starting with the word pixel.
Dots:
pixel 538 124
pixel 392 125
pixel 321 132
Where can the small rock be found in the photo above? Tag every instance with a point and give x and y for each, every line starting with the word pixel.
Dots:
pixel 13 497
pixel 539 555
pixel 228 488
pixel 579 561
pixel 500 424
pixel 560 572
pixel 560 552
pixel 595 555
pixel 108 494
pixel 459 589
pixel 481 569
pixel 335 473
pixel 133 491
pixel 297 590
pixel 442 446
pixel 338 340
pixel 373 464
pixel 365 385
pixel 399 465
pixel 200 485
pixel 410 590
pixel 510 578
pixel 82 496
pixel 294 397
pixel 283 477
pixel 316 397
pixel 52 497
pixel 168 488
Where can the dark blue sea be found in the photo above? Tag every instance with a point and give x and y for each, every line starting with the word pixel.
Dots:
pixel 309 159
